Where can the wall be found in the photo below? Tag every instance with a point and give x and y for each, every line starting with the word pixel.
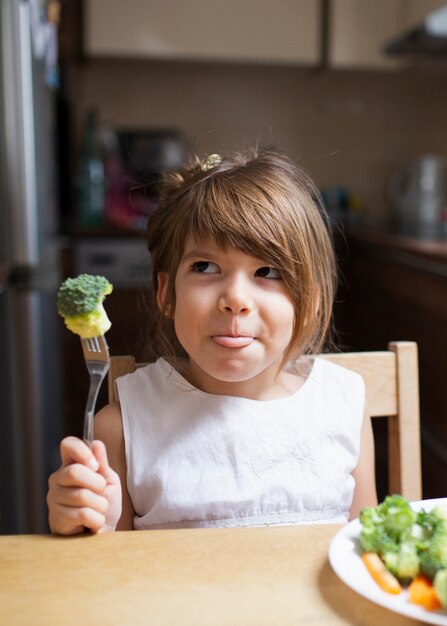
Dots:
pixel 349 128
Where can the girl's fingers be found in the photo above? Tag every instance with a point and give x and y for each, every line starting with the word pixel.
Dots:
pixel 70 521
pixel 100 452
pixel 80 476
pixel 82 498
pixel 74 450
pixel 78 495
pixel 85 491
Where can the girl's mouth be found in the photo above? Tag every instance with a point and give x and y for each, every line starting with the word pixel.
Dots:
pixel 229 341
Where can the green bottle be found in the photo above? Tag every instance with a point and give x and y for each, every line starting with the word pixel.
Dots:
pixel 91 182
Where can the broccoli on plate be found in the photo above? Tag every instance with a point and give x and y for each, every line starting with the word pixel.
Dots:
pixel 80 303
pixel 412 545
pixel 434 557
pixel 440 584
pixel 385 526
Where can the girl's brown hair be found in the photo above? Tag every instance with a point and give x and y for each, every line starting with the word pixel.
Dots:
pixel 264 205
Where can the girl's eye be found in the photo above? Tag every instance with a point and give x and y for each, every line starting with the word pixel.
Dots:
pixel 205 267
pixel 268 272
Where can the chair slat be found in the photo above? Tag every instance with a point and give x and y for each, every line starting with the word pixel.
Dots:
pixel 404 457
pixel 378 370
pixel 119 366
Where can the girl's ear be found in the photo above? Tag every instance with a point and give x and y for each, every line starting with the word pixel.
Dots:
pixel 162 279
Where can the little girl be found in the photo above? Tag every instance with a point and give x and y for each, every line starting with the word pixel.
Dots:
pixel 232 423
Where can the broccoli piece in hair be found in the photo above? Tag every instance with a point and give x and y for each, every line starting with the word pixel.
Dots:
pixel 79 302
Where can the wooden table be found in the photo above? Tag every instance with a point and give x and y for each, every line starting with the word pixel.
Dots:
pixel 242 576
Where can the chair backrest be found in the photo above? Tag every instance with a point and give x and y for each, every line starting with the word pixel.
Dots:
pixel 392 390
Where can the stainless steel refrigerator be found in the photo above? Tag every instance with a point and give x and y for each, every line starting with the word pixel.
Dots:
pixel 31 422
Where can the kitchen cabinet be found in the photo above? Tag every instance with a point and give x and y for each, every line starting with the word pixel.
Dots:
pixel 414 11
pixel 360 29
pixel 395 288
pixel 285 31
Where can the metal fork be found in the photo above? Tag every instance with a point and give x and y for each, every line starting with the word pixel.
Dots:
pixel 96 355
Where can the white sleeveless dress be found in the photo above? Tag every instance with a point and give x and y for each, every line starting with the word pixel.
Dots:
pixel 198 460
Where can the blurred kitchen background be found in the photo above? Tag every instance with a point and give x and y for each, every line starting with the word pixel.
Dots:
pixel 100 97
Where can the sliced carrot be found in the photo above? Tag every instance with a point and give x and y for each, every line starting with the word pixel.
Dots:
pixel 384 578
pixel 421 591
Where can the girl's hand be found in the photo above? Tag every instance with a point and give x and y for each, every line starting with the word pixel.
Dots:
pixel 85 492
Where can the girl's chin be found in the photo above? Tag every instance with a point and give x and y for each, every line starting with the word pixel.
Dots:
pixel 230 372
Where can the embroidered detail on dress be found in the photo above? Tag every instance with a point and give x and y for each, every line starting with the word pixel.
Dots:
pixel 282 445
pixel 286 451
pixel 301 453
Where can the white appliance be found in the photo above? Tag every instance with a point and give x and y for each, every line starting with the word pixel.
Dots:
pixel 30 381
pixel 428 39
pixel 418 193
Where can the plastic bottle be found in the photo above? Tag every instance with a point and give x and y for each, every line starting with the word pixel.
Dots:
pixel 117 205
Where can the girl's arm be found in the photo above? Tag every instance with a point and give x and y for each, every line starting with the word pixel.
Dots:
pixel 109 429
pixel 365 493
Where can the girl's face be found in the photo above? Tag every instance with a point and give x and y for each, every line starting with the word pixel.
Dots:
pixel 234 317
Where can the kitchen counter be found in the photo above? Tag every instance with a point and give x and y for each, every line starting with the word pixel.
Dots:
pixel 431 248
pixel 394 288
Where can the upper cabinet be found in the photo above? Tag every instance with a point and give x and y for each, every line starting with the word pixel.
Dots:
pixel 283 31
pixel 415 10
pixel 360 29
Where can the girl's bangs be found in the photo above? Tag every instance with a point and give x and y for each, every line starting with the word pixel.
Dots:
pixel 237 222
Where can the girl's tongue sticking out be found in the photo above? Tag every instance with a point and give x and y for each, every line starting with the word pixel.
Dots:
pixel 233 342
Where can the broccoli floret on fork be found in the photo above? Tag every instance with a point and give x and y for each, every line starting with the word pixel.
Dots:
pixel 80 303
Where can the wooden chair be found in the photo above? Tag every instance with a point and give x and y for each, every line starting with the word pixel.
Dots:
pixel 392 391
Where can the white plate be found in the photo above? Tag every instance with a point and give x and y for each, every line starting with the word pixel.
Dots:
pixel 344 556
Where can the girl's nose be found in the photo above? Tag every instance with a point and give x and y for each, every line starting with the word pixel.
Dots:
pixel 235 298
